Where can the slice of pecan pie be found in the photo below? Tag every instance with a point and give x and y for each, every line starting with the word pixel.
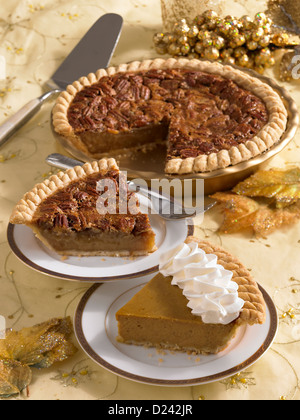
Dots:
pixel 66 215
pixel 211 116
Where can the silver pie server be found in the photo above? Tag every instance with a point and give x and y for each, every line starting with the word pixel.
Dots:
pixel 167 207
pixel 93 52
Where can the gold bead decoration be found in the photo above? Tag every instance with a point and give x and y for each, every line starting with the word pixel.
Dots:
pixel 219 42
pixel 257 34
pixel 243 41
pixel 233 32
pixel 259 69
pixel 280 40
pixel 182 40
pixel 181 28
pixel 252 45
pixel 198 48
pixel 212 25
pixel 169 38
pixel 226 53
pixel 224 27
pixel 229 60
pixel 161 49
pixel 264 41
pixel 193 56
pixel 260 19
pixel 211 53
pixel 199 20
pixel 207 42
pixel 248 35
pixel 202 35
pixel 229 18
pixel 210 15
pixel 267 28
pixel 157 38
pixel 174 49
pixel 232 44
pixel 270 62
pixel 243 60
pixel 263 56
pixel 247 22
pixel 239 40
pixel 185 49
pixel 192 42
pixel 193 32
pixel 239 52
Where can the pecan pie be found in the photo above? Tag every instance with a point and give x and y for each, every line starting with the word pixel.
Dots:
pixel 159 315
pixel 63 212
pixel 211 116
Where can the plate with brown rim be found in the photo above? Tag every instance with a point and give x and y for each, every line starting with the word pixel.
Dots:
pixel 96 331
pixel 32 252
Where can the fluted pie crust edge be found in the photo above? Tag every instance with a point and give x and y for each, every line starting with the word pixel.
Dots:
pixel 263 141
pixel 24 210
pixel 111 243
pixel 158 315
pixel 254 309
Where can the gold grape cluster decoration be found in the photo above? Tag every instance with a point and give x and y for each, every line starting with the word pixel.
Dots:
pixel 245 42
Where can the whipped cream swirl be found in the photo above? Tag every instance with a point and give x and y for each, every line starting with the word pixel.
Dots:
pixel 207 285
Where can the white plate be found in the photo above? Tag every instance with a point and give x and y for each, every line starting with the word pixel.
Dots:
pixel 96 330
pixel 33 253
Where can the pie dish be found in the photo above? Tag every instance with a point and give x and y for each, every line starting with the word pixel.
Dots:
pixel 63 212
pixel 159 315
pixel 211 116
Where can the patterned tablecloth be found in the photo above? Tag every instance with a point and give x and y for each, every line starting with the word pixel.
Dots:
pixel 35 36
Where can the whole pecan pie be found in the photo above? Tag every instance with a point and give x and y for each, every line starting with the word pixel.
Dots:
pixel 65 213
pixel 211 116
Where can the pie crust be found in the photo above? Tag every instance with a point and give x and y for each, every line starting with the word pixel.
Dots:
pixel 63 214
pixel 269 135
pixel 158 316
pixel 254 309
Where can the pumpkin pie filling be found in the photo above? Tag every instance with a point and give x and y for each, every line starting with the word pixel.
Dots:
pixel 158 316
pixel 197 309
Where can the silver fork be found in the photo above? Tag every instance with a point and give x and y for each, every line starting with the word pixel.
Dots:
pixel 167 207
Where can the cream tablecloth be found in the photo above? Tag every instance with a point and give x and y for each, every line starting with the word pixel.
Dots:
pixel 35 36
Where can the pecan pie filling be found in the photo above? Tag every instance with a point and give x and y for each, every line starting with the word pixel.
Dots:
pixel 69 219
pixel 197 112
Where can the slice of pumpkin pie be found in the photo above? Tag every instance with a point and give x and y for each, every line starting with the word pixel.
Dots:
pixel 196 303
pixel 65 213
